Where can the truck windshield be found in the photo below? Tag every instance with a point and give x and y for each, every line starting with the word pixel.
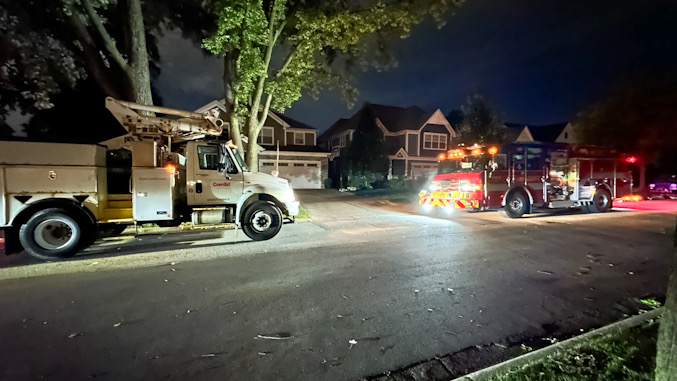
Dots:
pixel 239 159
pixel 466 164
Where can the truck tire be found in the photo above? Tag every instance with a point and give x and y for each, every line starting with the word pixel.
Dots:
pixel 261 221
pixel 601 202
pixel 515 205
pixel 53 234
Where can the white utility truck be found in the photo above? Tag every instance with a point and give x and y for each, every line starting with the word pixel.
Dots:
pixel 54 197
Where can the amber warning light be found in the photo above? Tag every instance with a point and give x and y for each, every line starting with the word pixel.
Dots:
pixel 170 167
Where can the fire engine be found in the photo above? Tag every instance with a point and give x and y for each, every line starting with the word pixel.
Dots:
pixel 523 177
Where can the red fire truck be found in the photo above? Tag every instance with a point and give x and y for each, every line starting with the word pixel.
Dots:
pixel 522 177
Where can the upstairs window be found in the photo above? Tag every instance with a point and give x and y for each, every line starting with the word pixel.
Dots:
pixel 434 141
pixel 299 138
pixel 342 141
pixel 266 136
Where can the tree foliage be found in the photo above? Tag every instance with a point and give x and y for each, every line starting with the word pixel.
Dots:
pixel 637 117
pixel 276 50
pixel 69 54
pixel 480 123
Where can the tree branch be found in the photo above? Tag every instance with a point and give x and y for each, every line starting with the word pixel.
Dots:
pixel 287 62
pixel 107 39
pixel 93 58
pixel 264 114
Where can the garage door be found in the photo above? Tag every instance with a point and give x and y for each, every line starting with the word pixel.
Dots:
pixel 419 170
pixel 301 174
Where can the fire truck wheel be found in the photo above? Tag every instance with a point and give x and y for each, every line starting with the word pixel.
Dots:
pixel 261 221
pixel 52 234
pixel 516 205
pixel 601 202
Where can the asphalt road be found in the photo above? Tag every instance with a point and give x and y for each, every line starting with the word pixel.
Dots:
pixel 404 287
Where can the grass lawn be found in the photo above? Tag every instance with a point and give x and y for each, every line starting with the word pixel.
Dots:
pixel 627 355
pixel 303 213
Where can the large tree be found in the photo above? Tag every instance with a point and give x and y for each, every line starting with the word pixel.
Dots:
pixel 480 123
pixel 275 50
pixel 57 55
pixel 637 117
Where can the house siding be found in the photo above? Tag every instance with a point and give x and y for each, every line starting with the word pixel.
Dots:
pixel 412 141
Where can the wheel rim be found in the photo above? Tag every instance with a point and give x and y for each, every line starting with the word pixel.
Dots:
pixel 261 221
pixel 602 201
pixel 516 204
pixel 54 233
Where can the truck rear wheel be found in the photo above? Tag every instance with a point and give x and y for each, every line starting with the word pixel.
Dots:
pixel 515 205
pixel 261 221
pixel 601 202
pixel 52 234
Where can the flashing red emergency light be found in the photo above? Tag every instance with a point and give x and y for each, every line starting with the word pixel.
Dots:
pixel 631 159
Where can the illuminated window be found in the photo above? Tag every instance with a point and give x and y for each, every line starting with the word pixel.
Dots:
pixel 434 141
pixel 299 138
pixel 266 136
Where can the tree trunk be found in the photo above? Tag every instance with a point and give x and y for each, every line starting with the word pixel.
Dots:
pixel 666 347
pixel 252 155
pixel 235 131
pixel 138 69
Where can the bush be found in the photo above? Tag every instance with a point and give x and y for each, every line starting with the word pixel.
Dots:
pixel 328 183
pixel 364 179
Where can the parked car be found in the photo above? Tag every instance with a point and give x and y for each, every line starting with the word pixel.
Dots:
pixel 664 187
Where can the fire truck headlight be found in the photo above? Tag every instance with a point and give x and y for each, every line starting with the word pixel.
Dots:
pixel 466 187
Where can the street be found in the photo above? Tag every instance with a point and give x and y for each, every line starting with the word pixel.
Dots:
pixel 366 286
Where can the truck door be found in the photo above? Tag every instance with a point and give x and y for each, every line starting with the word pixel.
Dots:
pixel 557 185
pixel 206 184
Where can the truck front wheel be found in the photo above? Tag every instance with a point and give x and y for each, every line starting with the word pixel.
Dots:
pixel 261 221
pixel 52 234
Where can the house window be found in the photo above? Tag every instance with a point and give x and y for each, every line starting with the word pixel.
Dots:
pixel 342 141
pixel 299 138
pixel 266 136
pixel 282 164
pixel 435 141
pixel 566 135
pixel 298 164
pixel 312 165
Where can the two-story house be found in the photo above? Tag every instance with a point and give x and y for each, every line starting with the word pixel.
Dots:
pixel 298 159
pixel 412 138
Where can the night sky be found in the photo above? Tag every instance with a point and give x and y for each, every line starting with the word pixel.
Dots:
pixel 537 61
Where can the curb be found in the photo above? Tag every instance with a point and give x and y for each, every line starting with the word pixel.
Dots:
pixel 530 357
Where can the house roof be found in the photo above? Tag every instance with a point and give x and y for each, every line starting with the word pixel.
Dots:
pixel 293 123
pixel 547 133
pixel 397 119
pixel 513 131
pixel 393 118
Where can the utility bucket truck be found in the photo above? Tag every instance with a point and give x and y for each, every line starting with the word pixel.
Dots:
pixel 54 197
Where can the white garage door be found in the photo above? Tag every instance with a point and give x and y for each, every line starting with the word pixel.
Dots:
pixel 301 174
pixel 419 170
